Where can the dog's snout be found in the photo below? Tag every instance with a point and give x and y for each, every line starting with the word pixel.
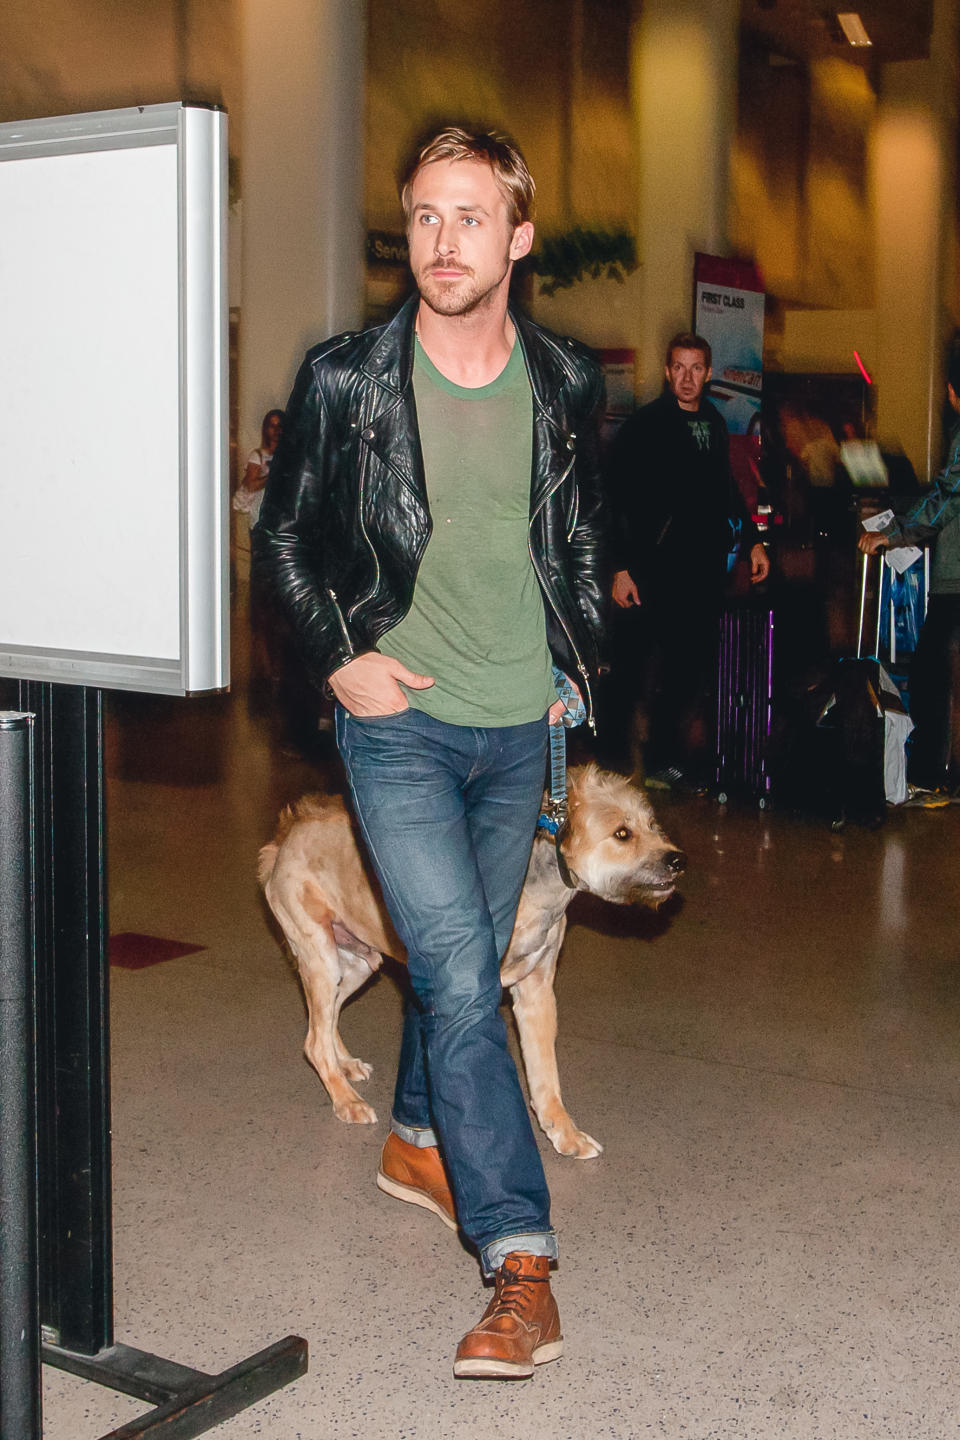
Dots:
pixel 675 861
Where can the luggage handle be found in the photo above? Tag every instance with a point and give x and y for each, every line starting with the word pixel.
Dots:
pixel 863 603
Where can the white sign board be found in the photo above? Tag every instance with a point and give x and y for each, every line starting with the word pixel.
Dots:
pixel 113 400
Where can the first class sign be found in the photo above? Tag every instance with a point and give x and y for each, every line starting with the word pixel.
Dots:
pixel 720 300
pixel 729 313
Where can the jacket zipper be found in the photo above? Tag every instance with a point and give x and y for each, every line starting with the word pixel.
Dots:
pixel 363 530
pixel 576 516
pixel 343 627
pixel 372 589
pixel 584 674
pixel 376 563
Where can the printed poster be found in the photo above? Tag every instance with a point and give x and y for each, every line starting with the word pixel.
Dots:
pixel 729 313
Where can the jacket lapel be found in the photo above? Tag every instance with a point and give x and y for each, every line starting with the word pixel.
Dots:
pixel 390 361
pixel 553 447
pixel 389 426
pixel 546 373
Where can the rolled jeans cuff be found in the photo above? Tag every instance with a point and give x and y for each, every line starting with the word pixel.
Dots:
pixel 414 1135
pixel 543 1242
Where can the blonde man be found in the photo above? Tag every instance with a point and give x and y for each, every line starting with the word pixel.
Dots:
pixel 432 525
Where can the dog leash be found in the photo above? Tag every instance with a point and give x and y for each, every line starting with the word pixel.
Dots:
pixel 555 815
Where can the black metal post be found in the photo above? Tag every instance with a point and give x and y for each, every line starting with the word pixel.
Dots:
pixel 72 1016
pixel 20 1411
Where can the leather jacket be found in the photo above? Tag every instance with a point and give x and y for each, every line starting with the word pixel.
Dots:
pixel 345 518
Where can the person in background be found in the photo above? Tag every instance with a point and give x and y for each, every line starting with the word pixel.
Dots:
pixel 249 494
pixel 677 514
pixel 933 761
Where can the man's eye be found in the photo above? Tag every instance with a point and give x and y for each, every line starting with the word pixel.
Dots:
pixel 428 219
pixel 470 220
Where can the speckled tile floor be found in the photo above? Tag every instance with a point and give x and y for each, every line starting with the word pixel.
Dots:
pixel 768 1246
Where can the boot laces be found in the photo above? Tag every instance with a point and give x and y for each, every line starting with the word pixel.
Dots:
pixel 515 1292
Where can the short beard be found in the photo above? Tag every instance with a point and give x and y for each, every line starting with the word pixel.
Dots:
pixel 447 297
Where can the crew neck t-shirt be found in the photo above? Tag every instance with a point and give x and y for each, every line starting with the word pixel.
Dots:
pixel 476 623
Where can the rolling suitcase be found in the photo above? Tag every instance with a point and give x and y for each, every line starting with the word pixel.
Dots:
pixel 844 757
pixel 744 701
pixel 868 714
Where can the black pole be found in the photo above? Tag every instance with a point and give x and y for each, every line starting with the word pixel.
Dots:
pixel 73 1030
pixel 20 1413
pixel 72 1033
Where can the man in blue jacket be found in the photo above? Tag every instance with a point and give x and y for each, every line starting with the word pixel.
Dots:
pixel 935 668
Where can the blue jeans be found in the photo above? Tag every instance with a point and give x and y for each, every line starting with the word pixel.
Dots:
pixel 448 813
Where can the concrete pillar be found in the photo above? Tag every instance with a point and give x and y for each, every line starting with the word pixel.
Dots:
pixel 913 181
pixel 301 190
pixel 683 94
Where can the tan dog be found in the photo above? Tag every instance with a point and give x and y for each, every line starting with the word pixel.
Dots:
pixel 331 912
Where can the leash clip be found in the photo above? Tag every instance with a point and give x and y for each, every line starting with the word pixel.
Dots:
pixel 554 816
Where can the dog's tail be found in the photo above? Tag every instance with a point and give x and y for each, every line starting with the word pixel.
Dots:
pixel 308 807
pixel 266 861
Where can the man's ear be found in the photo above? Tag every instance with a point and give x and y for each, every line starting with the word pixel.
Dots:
pixel 953 397
pixel 709 375
pixel 522 242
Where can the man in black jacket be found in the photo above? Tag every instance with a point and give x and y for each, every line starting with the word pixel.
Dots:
pixel 431 525
pixel 678 513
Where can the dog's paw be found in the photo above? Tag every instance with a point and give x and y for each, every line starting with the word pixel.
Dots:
pixel 356 1070
pixel 355 1112
pixel 575 1143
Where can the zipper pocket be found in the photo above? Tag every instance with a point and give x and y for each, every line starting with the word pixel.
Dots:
pixel 663 533
pixel 343 628
pixel 576 514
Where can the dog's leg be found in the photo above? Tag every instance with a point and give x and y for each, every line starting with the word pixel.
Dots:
pixel 355 1069
pixel 326 986
pixel 535 1006
pixel 355 970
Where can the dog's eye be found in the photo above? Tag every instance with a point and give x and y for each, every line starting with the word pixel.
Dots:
pixel 623 833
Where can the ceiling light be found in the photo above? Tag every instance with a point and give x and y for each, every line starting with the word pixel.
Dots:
pixel 853 27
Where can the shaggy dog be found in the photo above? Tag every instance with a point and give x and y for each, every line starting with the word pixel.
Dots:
pixel 319 887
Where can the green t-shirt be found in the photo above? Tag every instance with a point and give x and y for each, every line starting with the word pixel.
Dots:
pixel 477 622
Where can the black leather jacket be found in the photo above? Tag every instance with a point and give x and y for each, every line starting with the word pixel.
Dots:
pixel 345 519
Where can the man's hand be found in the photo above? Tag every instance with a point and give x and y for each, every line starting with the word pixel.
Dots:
pixel 555 713
pixel 625 592
pixel 370 685
pixel 870 542
pixel 759 564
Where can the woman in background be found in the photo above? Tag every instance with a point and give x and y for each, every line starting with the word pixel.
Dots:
pixel 249 496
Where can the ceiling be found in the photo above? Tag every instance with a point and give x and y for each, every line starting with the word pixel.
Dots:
pixel 808 29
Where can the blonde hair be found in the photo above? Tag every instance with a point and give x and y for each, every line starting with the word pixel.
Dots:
pixel 505 160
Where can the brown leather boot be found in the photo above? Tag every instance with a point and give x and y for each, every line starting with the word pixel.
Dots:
pixel 416 1174
pixel 520 1327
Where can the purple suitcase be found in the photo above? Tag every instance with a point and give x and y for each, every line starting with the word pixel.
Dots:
pixel 744 698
